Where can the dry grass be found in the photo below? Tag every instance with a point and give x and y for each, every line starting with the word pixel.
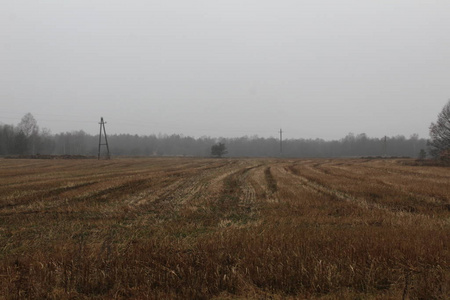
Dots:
pixel 181 228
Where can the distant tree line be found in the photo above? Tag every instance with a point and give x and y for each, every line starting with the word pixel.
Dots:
pixel 25 138
pixel 28 138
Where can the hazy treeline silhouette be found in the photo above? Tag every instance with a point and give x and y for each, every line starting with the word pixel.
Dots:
pixel 14 142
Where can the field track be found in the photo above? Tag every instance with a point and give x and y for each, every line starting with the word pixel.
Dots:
pixel 224 228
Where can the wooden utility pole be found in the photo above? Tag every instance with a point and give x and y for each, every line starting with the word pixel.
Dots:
pixel 102 126
pixel 385 146
pixel 281 141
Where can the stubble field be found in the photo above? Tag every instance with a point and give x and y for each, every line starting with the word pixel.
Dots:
pixel 186 228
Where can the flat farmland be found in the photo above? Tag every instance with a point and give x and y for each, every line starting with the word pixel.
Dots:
pixel 188 228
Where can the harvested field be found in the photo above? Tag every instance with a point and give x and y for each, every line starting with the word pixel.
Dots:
pixel 187 228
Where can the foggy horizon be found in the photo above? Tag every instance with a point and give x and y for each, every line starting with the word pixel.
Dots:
pixel 286 136
pixel 316 69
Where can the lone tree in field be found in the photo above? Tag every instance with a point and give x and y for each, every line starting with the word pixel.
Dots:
pixel 440 134
pixel 219 150
pixel 422 154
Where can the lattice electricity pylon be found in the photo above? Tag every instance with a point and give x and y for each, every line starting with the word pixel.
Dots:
pixel 102 126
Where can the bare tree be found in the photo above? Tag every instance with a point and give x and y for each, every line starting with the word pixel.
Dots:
pixel 28 127
pixel 440 134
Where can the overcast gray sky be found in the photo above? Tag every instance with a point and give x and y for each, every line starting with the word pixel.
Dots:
pixel 227 67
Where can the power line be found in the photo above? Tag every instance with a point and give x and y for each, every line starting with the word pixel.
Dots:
pixel 165 126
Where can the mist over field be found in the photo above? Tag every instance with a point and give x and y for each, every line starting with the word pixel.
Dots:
pixel 27 138
pixel 261 149
pixel 317 69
